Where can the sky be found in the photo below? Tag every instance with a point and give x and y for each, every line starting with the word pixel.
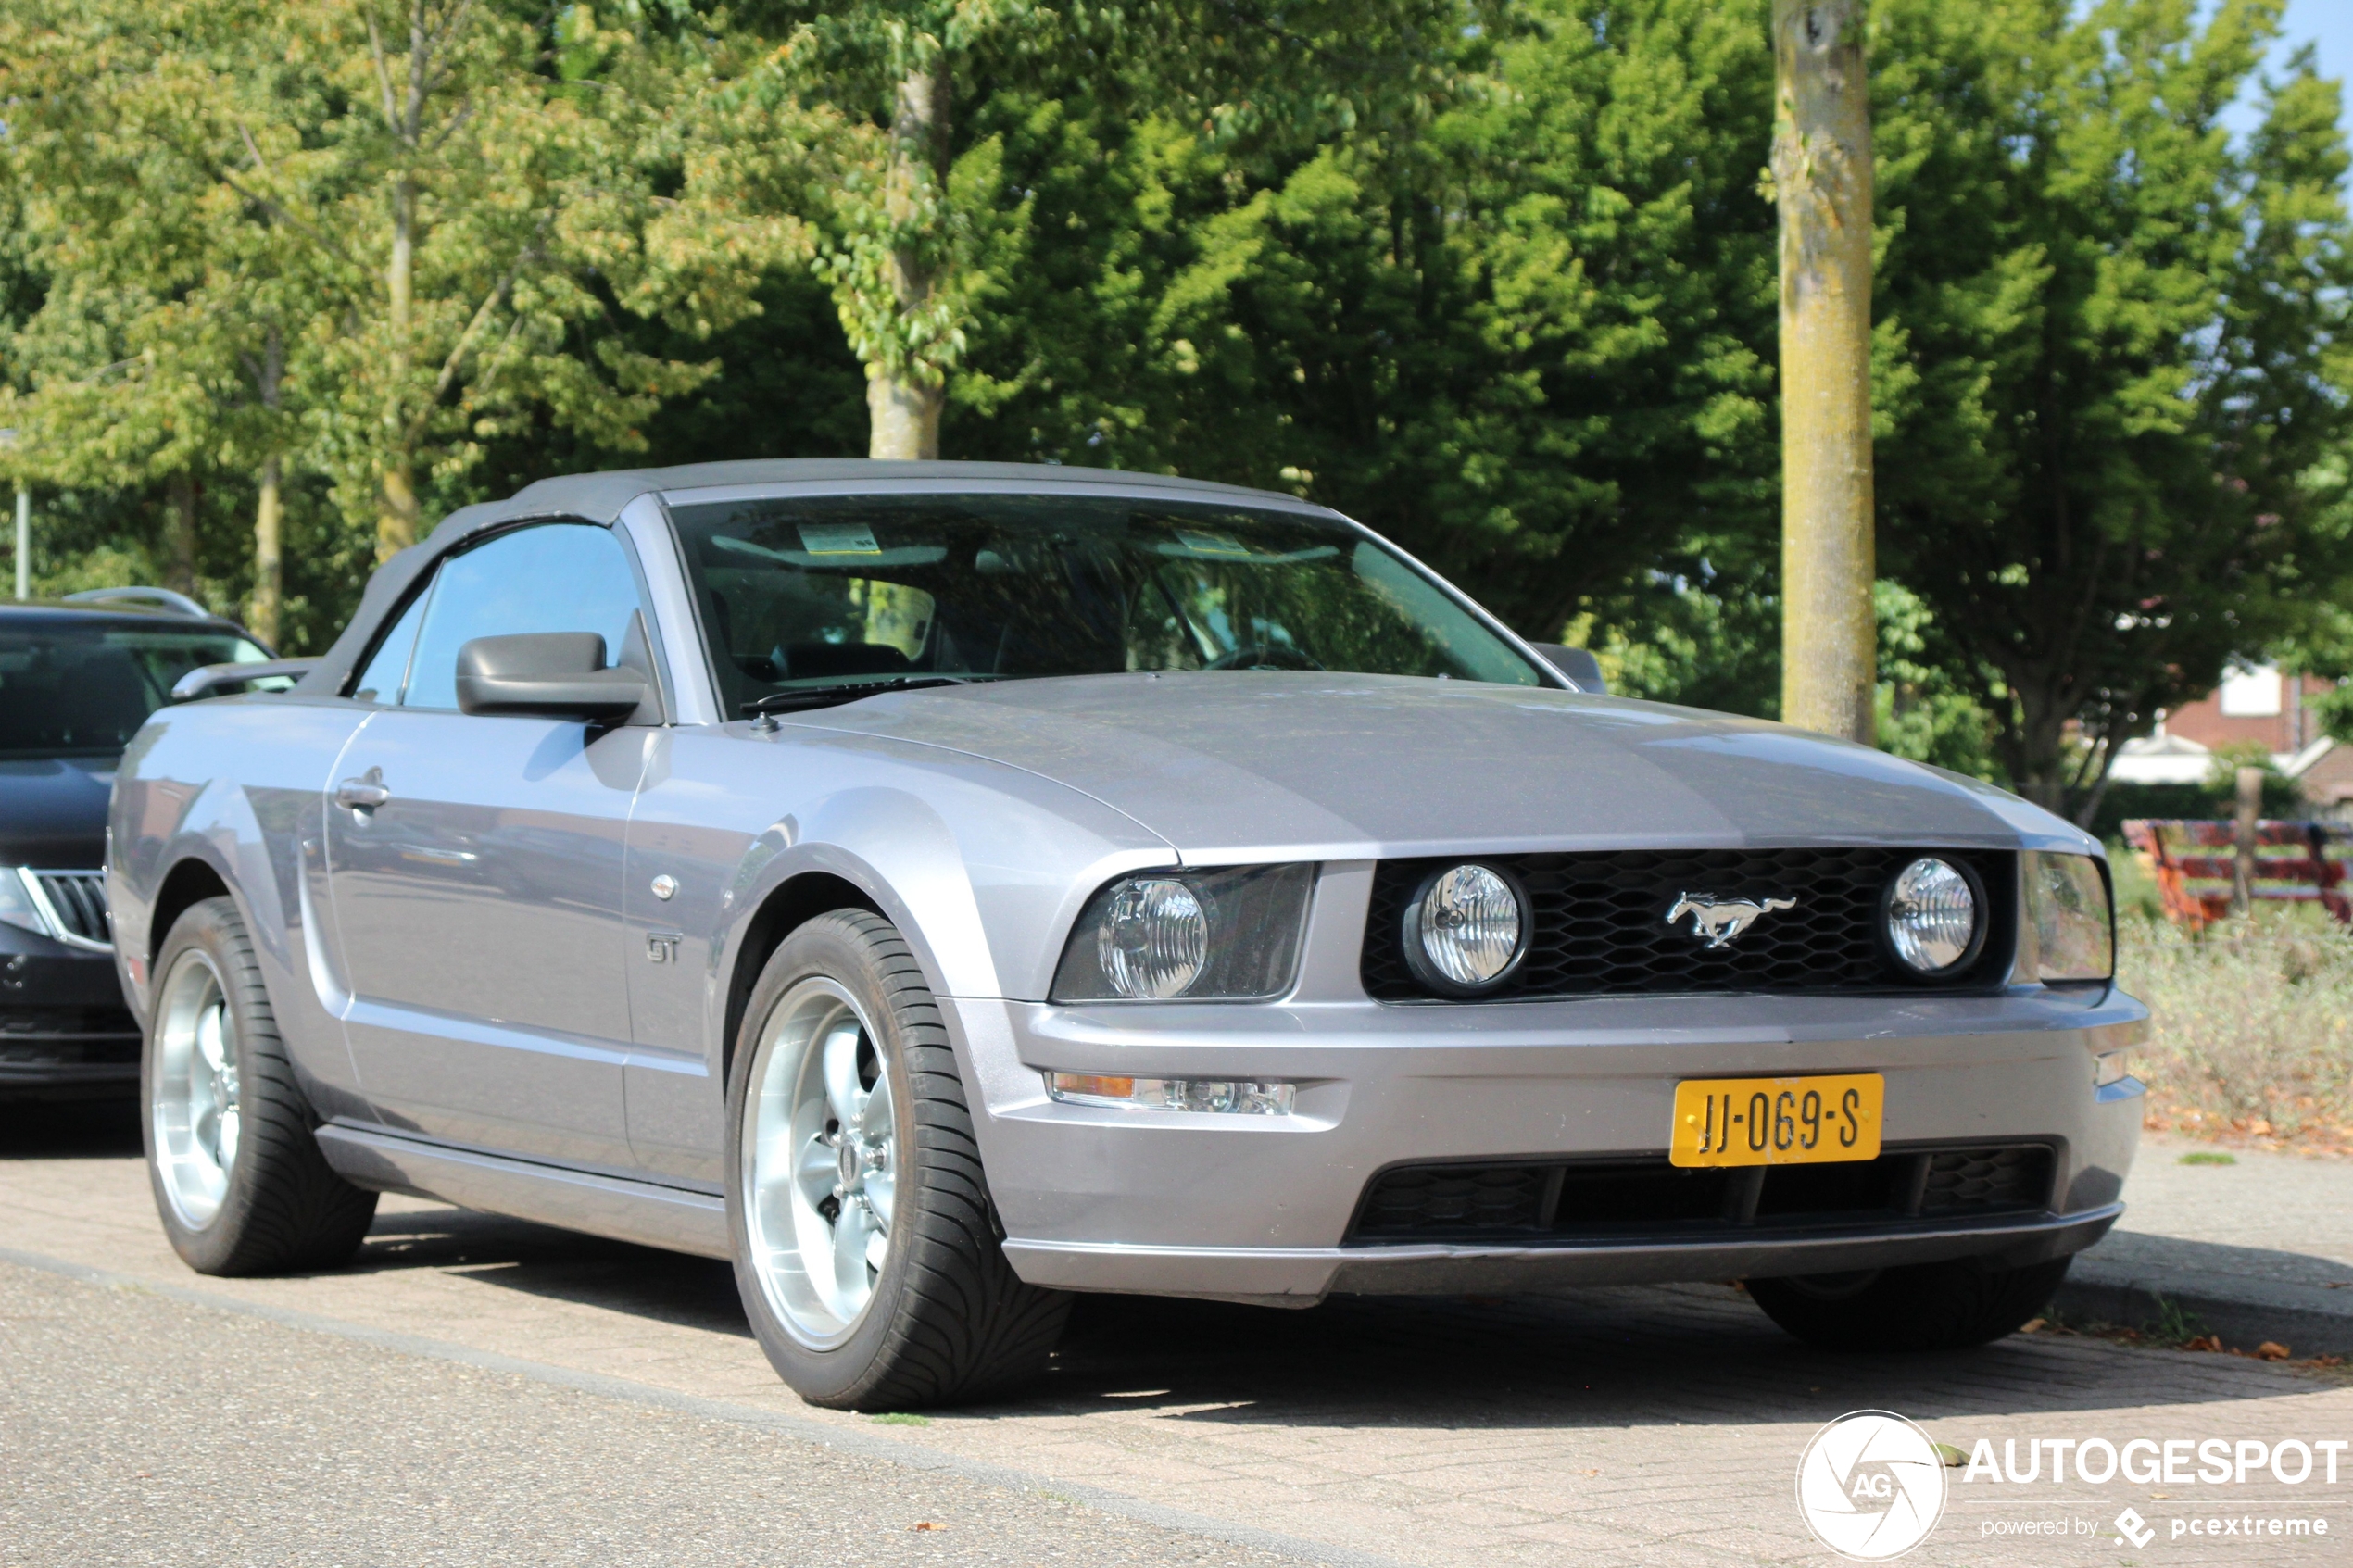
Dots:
pixel 2328 24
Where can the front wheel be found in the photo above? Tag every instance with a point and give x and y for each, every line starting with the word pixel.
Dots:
pixel 237 1173
pixel 867 1251
pixel 1947 1306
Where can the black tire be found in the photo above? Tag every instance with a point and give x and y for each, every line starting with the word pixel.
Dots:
pixel 949 1321
pixel 283 1210
pixel 1948 1306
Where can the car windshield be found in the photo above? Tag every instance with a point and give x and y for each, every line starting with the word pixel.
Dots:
pixel 68 690
pixel 799 592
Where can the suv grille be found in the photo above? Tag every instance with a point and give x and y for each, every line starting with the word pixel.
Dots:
pixel 1598 923
pixel 78 899
pixel 1620 1198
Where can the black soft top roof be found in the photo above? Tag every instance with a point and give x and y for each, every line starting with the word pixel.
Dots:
pixel 602 497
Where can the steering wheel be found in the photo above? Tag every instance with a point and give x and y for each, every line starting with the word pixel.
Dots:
pixel 1262 656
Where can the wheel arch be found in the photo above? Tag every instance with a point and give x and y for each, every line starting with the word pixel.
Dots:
pixel 190 882
pixel 790 905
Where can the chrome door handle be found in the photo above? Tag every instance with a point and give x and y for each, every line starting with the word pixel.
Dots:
pixel 361 795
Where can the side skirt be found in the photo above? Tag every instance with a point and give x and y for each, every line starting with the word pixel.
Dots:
pixel 670 1218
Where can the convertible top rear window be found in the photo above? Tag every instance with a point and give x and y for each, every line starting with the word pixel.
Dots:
pixel 822 590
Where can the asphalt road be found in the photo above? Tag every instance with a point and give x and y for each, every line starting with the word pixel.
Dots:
pixel 138 1429
pixel 474 1389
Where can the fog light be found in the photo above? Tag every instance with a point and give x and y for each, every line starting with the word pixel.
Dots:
pixel 1231 1096
pixel 2110 1067
pixel 1465 930
pixel 1933 917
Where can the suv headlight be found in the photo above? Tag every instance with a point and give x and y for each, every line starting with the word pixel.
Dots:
pixel 18 906
pixel 1229 935
pixel 2069 933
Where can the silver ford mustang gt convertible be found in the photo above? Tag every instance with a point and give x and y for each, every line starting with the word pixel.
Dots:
pixel 941 889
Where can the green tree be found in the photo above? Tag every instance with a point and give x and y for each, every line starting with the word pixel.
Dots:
pixel 119 374
pixel 487 211
pixel 1505 306
pixel 2115 373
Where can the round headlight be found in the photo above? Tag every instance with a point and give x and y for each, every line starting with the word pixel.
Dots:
pixel 1154 939
pixel 1465 930
pixel 1933 918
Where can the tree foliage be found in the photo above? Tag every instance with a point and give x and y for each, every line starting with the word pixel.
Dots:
pixel 2115 379
pixel 1496 276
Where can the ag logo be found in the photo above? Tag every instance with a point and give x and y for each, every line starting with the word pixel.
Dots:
pixel 1870 1485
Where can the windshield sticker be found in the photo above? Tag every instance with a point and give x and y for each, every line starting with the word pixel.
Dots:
pixel 1213 545
pixel 838 539
pixel 1217 546
pixel 912 555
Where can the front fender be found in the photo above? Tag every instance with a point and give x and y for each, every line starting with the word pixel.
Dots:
pixel 234 784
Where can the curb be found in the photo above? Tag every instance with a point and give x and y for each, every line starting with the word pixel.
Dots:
pixel 2242 1324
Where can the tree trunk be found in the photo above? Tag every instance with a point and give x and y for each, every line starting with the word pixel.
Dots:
pixel 180 535
pixel 268 556
pixel 2034 751
pixel 903 399
pixel 902 418
pixel 265 615
pixel 1822 185
pixel 396 503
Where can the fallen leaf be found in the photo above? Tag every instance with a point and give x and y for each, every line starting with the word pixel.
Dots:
pixel 2031 1325
pixel 1953 1456
pixel 2211 1342
pixel 2271 1350
pixel 926 1524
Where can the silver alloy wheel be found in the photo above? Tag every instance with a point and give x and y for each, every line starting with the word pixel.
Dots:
pixel 820 1163
pixel 197 1096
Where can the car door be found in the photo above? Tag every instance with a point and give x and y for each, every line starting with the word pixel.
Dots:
pixel 475 866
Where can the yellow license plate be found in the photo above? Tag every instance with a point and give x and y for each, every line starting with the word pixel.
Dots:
pixel 1777 1120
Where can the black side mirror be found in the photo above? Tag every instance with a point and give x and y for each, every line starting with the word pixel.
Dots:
pixel 547 675
pixel 1578 665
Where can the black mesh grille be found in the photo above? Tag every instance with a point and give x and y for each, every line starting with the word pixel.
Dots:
pixel 1598 923
pixel 1456 1198
pixel 1618 1198
pixel 1979 1178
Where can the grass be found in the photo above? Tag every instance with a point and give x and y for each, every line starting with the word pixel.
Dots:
pixel 2204 1159
pixel 902 1418
pixel 2253 1036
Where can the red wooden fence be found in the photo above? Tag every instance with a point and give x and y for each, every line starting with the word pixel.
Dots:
pixel 2195 866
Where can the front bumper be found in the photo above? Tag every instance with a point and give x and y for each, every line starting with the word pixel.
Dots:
pixel 1264 1207
pixel 63 1031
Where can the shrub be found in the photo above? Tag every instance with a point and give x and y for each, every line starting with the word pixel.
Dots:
pixel 2254 1024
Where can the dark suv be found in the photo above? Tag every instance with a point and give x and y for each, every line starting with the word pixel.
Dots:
pixel 77 680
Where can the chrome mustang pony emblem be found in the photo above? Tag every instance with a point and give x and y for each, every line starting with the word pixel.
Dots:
pixel 1720 919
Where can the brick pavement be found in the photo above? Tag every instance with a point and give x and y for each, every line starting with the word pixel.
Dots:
pixel 1613 1426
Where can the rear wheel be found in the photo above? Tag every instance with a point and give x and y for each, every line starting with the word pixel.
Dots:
pixel 237 1173
pixel 1947 1306
pixel 867 1250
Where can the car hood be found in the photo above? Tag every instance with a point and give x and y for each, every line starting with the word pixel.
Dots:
pixel 53 811
pixel 1236 764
